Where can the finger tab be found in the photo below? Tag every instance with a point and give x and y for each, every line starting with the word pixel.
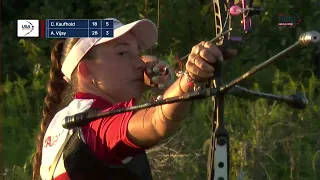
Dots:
pixel 156 70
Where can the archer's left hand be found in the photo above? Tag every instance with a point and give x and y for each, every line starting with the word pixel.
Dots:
pixel 153 76
pixel 203 58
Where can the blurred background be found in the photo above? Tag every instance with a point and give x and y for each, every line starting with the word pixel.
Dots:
pixel 269 140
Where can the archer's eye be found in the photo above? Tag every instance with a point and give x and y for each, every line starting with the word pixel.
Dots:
pixel 122 53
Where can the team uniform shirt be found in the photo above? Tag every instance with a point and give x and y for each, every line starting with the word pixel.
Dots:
pixel 106 137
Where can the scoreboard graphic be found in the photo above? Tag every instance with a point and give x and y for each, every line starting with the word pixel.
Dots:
pixel 66 28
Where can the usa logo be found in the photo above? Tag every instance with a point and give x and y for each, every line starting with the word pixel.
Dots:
pixel 28 28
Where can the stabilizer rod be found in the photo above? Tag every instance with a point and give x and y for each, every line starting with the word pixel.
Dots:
pixel 304 40
pixel 297 101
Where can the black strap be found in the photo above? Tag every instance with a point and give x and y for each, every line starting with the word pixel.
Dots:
pixel 82 164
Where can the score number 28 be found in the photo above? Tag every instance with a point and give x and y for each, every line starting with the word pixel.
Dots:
pixel 95 33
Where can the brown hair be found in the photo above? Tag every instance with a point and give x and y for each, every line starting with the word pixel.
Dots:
pixel 56 98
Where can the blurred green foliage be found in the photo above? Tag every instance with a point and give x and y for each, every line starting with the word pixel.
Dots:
pixel 268 139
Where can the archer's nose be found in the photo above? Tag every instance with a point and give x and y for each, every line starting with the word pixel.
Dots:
pixel 141 65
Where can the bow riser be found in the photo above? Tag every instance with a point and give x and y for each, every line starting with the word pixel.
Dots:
pixel 218 159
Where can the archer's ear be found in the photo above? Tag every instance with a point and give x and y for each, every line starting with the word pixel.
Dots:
pixel 84 72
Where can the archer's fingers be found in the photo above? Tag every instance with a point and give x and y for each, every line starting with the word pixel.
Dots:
pixel 154 68
pixel 162 81
pixel 197 48
pixel 215 51
pixel 149 67
pixel 202 61
pixel 159 67
pixel 196 71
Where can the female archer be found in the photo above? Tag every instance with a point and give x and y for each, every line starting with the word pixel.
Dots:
pixel 106 74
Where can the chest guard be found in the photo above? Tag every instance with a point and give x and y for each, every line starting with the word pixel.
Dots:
pixel 82 164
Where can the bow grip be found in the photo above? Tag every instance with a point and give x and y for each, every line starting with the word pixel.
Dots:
pixel 219 61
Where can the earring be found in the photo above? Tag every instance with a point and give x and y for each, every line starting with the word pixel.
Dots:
pixel 94 82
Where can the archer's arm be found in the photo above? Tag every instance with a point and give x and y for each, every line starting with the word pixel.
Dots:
pixel 148 127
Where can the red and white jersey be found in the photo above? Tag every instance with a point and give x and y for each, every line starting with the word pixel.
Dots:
pixel 56 136
pixel 106 137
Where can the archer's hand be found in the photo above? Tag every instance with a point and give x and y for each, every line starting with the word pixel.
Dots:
pixel 202 59
pixel 153 76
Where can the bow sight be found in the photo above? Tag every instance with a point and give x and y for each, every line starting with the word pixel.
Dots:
pixel 223 17
pixel 247 11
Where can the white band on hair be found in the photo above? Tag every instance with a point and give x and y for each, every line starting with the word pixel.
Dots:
pixel 75 55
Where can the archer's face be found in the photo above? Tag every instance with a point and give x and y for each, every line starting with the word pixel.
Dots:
pixel 118 69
